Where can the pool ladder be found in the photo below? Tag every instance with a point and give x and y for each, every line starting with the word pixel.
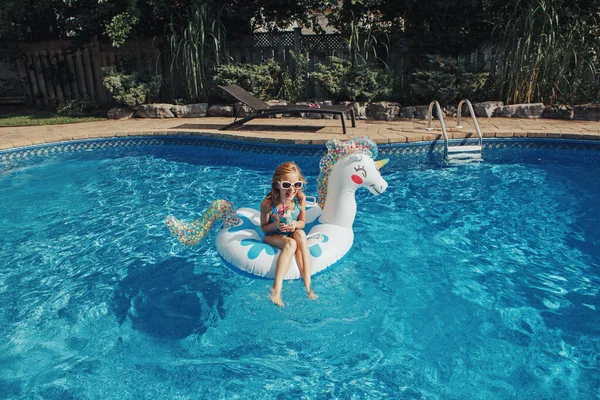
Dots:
pixel 460 154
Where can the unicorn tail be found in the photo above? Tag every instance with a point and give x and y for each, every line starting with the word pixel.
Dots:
pixel 190 233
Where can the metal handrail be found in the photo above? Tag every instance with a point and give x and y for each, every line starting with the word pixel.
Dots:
pixel 441 118
pixel 473 117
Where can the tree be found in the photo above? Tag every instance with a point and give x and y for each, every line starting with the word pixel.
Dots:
pixel 23 21
pixel 437 27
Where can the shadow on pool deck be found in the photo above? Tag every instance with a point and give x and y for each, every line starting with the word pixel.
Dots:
pixel 254 127
pixel 300 130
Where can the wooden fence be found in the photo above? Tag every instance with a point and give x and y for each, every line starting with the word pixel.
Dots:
pixel 53 73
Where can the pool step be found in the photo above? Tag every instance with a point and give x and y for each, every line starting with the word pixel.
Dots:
pixel 464 149
pixel 464 161
pixel 464 154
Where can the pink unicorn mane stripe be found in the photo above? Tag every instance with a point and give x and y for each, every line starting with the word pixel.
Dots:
pixel 336 150
pixel 190 233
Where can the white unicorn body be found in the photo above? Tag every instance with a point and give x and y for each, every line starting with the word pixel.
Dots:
pixel 346 167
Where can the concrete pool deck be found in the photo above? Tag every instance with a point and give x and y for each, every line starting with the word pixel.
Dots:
pixel 300 130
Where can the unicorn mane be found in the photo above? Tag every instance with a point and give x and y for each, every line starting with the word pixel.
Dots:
pixel 336 150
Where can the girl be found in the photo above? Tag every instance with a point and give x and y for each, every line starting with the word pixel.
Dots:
pixel 282 219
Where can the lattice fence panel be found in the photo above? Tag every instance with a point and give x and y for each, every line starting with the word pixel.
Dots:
pixel 323 42
pixel 282 39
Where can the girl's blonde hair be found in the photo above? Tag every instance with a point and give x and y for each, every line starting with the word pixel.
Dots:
pixel 280 171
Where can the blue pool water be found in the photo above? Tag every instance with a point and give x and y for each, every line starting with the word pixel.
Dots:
pixel 478 282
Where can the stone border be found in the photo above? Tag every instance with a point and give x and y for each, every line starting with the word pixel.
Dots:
pixel 394 135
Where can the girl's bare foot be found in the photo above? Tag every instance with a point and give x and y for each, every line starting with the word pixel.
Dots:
pixel 312 295
pixel 276 298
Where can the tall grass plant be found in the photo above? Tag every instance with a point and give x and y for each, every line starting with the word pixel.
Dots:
pixel 549 53
pixel 196 48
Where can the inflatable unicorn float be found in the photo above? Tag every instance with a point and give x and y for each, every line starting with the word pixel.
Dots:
pixel 347 166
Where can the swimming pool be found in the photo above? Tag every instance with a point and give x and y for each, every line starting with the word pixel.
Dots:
pixel 471 282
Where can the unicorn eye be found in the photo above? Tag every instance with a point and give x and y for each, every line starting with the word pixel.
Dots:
pixel 362 170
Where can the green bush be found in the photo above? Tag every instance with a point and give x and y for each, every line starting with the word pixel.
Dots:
pixel 269 79
pixel 337 78
pixel 132 89
pixel 447 81
pixel 340 80
pixel 80 105
pixel 293 82
pixel 259 79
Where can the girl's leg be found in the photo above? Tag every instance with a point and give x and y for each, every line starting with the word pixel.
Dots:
pixel 284 262
pixel 304 261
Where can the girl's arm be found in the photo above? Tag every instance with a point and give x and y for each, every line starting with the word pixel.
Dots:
pixel 265 213
pixel 300 223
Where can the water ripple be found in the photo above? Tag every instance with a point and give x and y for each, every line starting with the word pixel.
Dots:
pixel 474 283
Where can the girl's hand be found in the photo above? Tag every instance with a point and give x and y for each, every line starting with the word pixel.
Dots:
pixel 288 228
pixel 293 226
pixel 285 228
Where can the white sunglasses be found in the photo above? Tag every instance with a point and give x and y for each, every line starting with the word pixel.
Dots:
pixel 287 184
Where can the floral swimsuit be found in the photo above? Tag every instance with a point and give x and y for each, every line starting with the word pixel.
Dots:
pixel 293 217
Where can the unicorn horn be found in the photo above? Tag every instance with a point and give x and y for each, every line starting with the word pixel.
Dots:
pixel 380 163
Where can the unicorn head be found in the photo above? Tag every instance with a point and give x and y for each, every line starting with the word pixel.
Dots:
pixel 345 168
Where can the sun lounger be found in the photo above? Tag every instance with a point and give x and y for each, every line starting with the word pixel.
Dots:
pixel 260 109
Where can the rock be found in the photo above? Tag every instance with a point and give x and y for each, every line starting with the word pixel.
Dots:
pixel 279 103
pixel 120 113
pixel 533 110
pixel 317 115
pixel 587 112
pixel 384 110
pixel 326 103
pixel 310 115
pixel 190 110
pixel 450 110
pixel 483 109
pixel 419 112
pixel 241 110
pixel 505 111
pixel 558 112
pixel 220 110
pixel 529 110
pixel 159 110
pixel 360 109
